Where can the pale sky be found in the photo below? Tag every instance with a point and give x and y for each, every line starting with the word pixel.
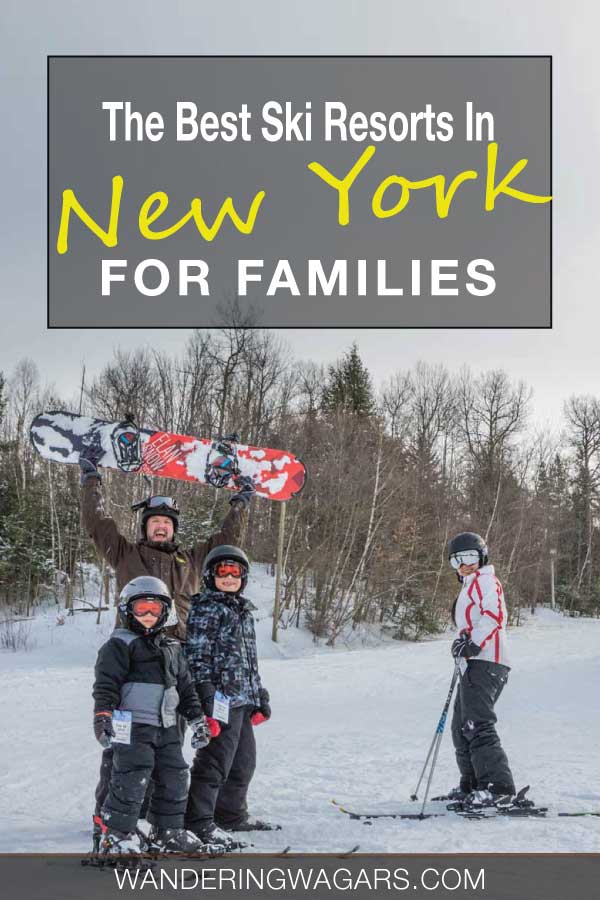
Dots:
pixel 555 363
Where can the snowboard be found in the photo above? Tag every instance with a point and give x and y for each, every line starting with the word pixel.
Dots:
pixel 61 436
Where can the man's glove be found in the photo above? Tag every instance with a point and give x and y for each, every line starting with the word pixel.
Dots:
pixel 103 729
pixel 201 733
pixel 463 647
pixel 263 711
pixel 88 463
pixel 245 491
pixel 206 693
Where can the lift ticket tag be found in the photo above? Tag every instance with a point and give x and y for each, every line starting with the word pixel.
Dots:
pixel 221 707
pixel 121 722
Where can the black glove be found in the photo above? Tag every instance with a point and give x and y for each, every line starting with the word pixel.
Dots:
pixel 89 468
pixel 200 733
pixel 264 706
pixel 206 693
pixel 245 492
pixel 103 729
pixel 463 647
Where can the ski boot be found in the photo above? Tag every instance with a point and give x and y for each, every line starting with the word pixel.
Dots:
pixel 116 843
pixel 250 823
pixel 456 793
pixel 484 798
pixel 217 837
pixel 178 840
pixel 116 850
pixel 145 832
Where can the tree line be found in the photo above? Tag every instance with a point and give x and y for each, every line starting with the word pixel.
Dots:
pixel 394 471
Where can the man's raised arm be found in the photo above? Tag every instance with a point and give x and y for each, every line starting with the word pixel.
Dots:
pixel 109 542
pixel 232 525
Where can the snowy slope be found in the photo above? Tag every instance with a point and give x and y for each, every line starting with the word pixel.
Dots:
pixel 349 724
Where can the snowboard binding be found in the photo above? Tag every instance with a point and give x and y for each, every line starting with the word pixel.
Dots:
pixel 127 447
pixel 222 467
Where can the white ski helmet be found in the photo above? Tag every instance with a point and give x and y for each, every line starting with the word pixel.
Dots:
pixel 140 588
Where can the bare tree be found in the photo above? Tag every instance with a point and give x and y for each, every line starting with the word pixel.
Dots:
pixel 583 433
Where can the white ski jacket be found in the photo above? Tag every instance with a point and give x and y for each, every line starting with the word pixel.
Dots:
pixel 481 610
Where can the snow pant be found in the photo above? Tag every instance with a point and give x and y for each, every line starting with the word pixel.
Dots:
pixel 156 753
pixel 221 774
pixel 481 760
pixel 106 765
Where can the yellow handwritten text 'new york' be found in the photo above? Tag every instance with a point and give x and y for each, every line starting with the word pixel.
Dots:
pixel 156 203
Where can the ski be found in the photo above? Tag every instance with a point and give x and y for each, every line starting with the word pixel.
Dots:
pixel 493 813
pixel 384 815
pixel 572 815
pixel 520 807
pixel 535 812
pixel 490 813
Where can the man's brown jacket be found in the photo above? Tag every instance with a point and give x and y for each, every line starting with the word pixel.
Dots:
pixel 181 570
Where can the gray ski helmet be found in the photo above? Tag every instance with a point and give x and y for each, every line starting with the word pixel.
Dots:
pixel 160 506
pixel 138 588
pixel 468 540
pixel 223 553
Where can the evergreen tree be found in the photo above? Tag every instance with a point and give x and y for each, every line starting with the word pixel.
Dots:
pixel 348 386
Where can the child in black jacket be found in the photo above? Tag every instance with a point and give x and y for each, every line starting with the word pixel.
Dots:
pixel 221 651
pixel 142 680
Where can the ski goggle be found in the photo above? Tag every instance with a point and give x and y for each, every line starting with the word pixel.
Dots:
pixel 169 502
pixel 222 569
pixel 465 558
pixel 144 605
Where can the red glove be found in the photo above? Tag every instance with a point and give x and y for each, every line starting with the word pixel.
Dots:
pixel 213 726
pixel 257 718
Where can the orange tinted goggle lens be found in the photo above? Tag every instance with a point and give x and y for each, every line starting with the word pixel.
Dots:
pixel 223 569
pixel 141 607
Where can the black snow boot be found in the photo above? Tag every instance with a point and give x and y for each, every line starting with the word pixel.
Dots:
pixel 252 824
pixel 217 837
pixel 178 840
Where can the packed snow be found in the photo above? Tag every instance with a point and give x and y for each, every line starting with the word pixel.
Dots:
pixel 352 723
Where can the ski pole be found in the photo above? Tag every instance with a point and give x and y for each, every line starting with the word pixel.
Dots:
pixel 438 732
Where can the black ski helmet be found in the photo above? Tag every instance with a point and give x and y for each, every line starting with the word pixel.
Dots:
pixel 225 553
pixel 140 587
pixel 468 540
pixel 160 506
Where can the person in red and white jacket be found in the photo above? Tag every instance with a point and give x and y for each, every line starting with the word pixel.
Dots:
pixel 480 648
